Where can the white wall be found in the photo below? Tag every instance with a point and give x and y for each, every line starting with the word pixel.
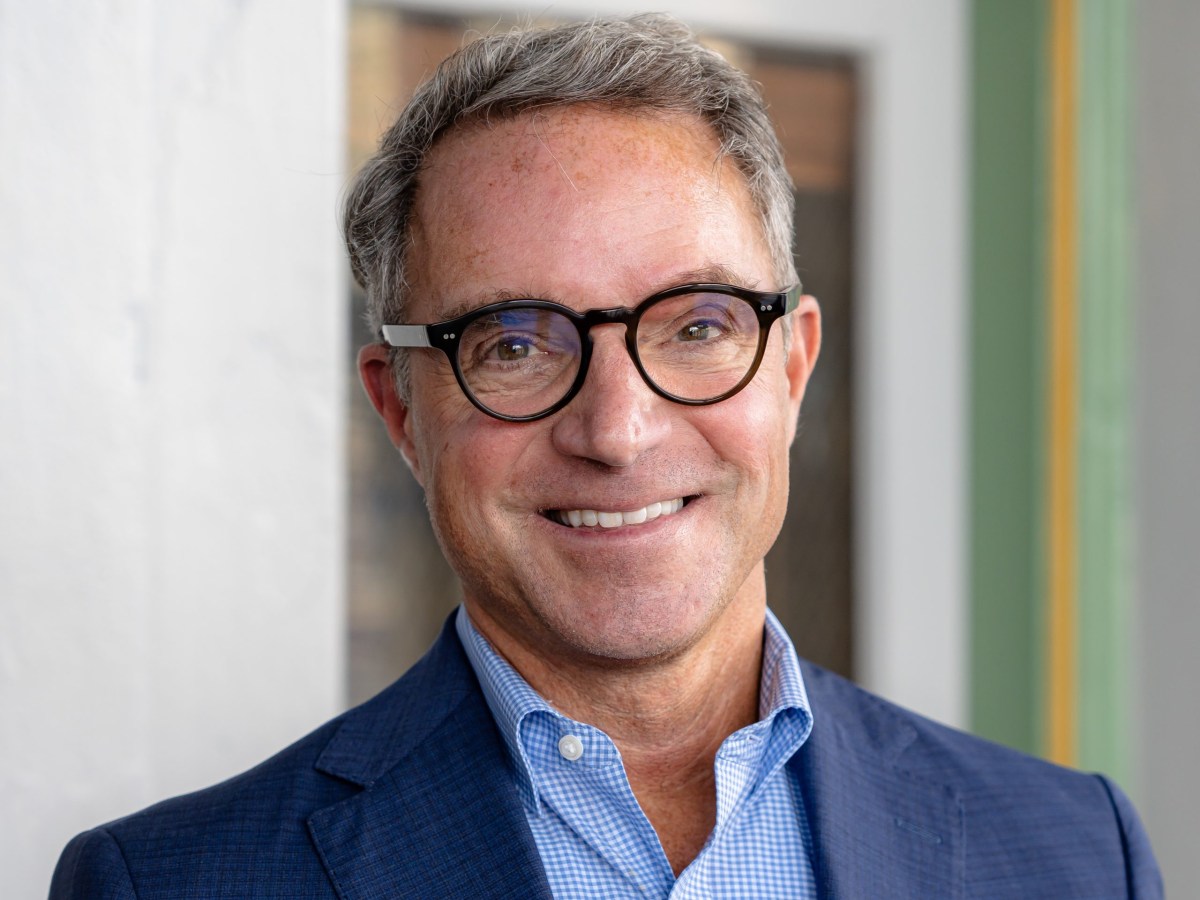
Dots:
pixel 171 337
pixel 1167 432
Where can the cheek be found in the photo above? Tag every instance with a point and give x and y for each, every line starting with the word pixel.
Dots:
pixel 751 439
pixel 753 425
pixel 474 479
pixel 461 498
pixel 440 414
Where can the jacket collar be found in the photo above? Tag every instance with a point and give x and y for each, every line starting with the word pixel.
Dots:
pixel 438 815
pixel 878 829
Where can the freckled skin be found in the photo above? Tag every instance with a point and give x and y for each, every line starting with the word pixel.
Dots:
pixel 596 209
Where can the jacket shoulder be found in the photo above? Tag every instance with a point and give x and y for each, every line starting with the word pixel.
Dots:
pixel 92 865
pixel 237 834
pixel 924 747
pixel 1025 821
pixel 249 834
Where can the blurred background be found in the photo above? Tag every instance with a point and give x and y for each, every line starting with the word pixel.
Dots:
pixel 208 546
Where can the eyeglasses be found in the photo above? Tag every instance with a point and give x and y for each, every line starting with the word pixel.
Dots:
pixel 521 360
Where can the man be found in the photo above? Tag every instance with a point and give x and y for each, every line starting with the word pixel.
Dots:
pixel 577 251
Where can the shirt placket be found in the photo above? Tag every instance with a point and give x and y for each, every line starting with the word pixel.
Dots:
pixel 592 796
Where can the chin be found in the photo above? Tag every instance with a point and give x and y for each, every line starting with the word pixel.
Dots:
pixel 633 629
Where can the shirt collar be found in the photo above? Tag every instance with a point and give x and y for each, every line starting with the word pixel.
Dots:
pixel 783 700
pixel 781 686
pixel 509 697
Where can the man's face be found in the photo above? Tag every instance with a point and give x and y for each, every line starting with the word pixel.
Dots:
pixel 595 209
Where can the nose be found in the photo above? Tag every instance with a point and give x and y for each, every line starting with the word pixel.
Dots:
pixel 615 417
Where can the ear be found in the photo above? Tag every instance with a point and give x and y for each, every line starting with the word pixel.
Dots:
pixel 803 350
pixel 380 383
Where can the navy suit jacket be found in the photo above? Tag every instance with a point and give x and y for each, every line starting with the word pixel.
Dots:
pixel 412 795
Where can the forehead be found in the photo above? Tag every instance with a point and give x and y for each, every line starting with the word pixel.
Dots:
pixel 576 200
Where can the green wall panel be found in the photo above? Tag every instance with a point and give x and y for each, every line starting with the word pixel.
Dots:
pixel 1105 505
pixel 1007 369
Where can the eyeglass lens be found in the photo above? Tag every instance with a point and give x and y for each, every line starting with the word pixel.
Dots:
pixel 522 361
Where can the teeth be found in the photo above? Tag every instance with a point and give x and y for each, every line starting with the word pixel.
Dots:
pixel 605 519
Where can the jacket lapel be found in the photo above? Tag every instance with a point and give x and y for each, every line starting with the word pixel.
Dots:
pixel 878 831
pixel 439 815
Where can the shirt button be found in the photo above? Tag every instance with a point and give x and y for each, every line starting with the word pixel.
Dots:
pixel 570 747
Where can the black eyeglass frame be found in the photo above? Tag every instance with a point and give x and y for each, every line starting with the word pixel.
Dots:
pixel 768 306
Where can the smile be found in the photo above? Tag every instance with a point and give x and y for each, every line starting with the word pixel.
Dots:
pixel 577 518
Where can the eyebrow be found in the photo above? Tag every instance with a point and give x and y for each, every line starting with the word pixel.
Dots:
pixel 462 307
pixel 717 273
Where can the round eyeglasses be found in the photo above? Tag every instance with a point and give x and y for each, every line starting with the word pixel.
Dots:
pixel 521 360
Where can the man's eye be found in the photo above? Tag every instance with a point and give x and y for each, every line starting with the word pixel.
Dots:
pixel 700 331
pixel 513 349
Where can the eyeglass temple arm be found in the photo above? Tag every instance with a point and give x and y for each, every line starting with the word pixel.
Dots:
pixel 792 298
pixel 406 335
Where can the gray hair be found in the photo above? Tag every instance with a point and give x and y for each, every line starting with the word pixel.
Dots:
pixel 645 62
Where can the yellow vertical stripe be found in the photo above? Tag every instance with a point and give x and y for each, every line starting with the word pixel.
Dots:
pixel 1062 430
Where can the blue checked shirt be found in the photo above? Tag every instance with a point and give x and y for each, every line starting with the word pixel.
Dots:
pixel 594 839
